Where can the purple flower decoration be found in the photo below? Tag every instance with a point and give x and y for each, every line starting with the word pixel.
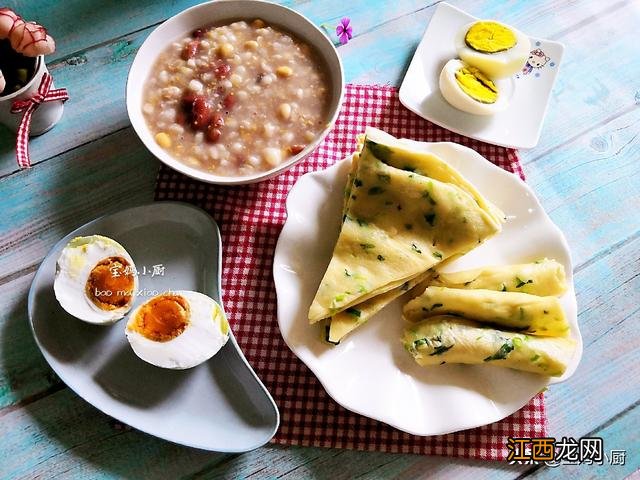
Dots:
pixel 344 31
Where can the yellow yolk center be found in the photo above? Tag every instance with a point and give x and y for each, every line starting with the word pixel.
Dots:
pixel 162 318
pixel 490 37
pixel 110 283
pixel 477 85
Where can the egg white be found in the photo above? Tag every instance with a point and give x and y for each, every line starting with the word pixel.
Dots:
pixel 74 266
pixel 499 64
pixel 453 94
pixel 204 336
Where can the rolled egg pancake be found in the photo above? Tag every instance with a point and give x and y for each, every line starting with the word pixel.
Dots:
pixel 545 277
pixel 518 311
pixel 447 339
pixel 397 224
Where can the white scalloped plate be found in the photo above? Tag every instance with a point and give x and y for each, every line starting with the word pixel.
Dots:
pixel 369 372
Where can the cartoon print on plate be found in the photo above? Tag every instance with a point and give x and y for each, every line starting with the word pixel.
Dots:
pixel 537 60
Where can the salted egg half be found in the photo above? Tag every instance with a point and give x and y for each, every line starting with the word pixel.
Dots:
pixel 96 279
pixel 177 330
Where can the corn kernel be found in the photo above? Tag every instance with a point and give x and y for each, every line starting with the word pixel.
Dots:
pixel 163 140
pixel 257 23
pixel 251 45
pixel 225 50
pixel 284 110
pixel 284 71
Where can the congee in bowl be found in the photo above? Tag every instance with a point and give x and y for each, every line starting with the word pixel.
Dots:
pixel 237 98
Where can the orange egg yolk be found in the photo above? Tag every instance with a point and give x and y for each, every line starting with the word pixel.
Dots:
pixel 162 318
pixel 110 283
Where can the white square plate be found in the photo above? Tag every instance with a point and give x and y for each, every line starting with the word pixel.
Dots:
pixel 519 125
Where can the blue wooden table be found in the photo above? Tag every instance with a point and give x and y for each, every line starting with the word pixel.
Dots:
pixel 585 170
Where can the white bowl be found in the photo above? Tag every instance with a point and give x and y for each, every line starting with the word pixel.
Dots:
pixel 217 12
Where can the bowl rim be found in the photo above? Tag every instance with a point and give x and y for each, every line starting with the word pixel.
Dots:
pixel 139 125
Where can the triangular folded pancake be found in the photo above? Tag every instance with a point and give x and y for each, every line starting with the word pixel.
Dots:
pixel 348 320
pixel 401 153
pixel 397 225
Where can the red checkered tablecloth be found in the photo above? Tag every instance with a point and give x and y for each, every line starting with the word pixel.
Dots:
pixel 250 218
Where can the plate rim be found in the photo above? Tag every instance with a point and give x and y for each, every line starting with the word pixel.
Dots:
pixel 544 216
pixel 106 411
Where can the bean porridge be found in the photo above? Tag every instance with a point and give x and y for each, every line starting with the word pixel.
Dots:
pixel 236 99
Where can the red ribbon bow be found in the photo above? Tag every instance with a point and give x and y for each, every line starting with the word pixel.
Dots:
pixel 28 106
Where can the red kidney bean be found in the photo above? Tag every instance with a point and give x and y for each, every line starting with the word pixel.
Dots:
pixel 217 120
pixel 199 32
pixel 213 134
pixel 200 113
pixel 187 101
pixel 229 101
pixel 190 49
pixel 222 70
pixel 296 149
pixel 181 117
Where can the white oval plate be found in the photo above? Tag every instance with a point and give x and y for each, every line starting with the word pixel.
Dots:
pixel 369 372
pixel 220 405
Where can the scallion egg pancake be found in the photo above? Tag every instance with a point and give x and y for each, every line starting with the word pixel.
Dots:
pixel 544 277
pixel 447 339
pixel 398 224
pixel 517 311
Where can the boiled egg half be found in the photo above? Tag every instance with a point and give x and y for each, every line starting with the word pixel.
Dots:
pixel 497 49
pixel 177 330
pixel 96 279
pixel 470 90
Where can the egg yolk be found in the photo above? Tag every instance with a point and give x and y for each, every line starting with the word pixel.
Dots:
pixel 110 283
pixel 477 85
pixel 162 318
pixel 490 37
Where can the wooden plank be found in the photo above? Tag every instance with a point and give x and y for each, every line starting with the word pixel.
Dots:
pixel 25 240
pixel 589 187
pixel 96 81
pixel 582 104
pixel 602 362
pixel 96 78
pixel 24 374
pixel 62 435
pixel 372 466
pixel 92 25
pixel 104 176
pixel 576 105
pixel 77 25
pixel 607 376
pixel 294 463
pixel 560 398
